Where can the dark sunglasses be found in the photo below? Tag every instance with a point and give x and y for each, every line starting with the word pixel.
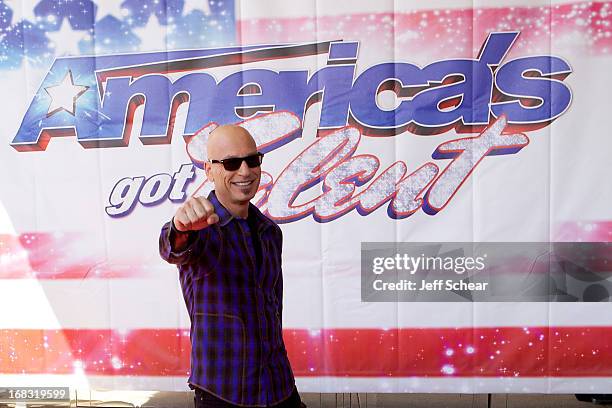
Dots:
pixel 234 163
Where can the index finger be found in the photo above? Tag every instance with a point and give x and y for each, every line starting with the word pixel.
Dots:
pixel 210 209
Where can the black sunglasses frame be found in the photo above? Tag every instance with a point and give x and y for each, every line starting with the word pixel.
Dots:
pixel 234 163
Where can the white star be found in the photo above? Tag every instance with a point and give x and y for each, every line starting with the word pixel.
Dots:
pixel 64 95
pixel 191 5
pixel 152 36
pixel 66 40
pixel 110 8
pixel 21 11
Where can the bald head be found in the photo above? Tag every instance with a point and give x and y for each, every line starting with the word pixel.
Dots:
pixel 234 187
pixel 229 141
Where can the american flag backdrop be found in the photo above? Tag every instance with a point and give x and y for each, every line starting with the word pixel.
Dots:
pixel 87 302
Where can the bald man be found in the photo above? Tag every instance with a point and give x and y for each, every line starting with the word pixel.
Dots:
pixel 229 260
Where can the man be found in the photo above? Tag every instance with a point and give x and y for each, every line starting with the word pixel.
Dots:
pixel 229 259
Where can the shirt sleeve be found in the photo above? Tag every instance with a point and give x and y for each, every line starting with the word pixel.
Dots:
pixel 278 287
pixel 185 255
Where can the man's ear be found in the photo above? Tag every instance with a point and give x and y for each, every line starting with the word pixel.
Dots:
pixel 208 169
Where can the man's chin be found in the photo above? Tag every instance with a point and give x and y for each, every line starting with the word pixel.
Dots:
pixel 244 197
pixel 239 194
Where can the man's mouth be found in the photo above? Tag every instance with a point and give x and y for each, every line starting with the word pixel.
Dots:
pixel 243 183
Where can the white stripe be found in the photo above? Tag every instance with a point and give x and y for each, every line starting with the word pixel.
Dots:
pixel 454 385
pixel 126 388
pixel 94 303
pixel 335 303
pixel 125 304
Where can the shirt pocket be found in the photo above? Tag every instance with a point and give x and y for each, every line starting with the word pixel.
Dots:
pixel 220 346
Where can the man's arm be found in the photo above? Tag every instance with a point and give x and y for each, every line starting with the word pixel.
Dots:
pixel 180 240
pixel 181 236
pixel 278 287
pixel 177 247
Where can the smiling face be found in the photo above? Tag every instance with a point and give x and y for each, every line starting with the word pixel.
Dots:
pixel 234 189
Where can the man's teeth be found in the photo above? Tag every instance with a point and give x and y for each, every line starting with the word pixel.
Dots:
pixel 243 183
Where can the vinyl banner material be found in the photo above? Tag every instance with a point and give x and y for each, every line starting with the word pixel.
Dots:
pixel 401 124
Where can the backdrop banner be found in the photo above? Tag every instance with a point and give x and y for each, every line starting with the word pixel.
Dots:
pixel 385 125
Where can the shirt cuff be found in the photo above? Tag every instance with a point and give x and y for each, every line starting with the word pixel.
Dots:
pixel 173 233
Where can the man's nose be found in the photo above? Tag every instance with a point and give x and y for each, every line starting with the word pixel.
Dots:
pixel 244 169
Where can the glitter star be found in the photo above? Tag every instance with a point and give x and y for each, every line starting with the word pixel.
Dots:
pixel 65 41
pixel 191 5
pixel 21 11
pixel 111 8
pixel 152 36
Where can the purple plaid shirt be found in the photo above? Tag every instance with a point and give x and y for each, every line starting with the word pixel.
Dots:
pixel 237 348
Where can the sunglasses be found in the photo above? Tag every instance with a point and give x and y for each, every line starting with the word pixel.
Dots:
pixel 234 163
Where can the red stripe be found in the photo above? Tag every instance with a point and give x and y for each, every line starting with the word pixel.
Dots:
pixel 584 231
pixel 430 352
pixel 441 29
pixel 58 255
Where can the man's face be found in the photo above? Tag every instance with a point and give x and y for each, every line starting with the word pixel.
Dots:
pixel 232 187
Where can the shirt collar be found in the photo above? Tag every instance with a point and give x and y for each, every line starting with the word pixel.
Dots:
pixel 261 221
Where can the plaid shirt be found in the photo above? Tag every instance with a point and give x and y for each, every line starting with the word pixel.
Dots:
pixel 237 348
